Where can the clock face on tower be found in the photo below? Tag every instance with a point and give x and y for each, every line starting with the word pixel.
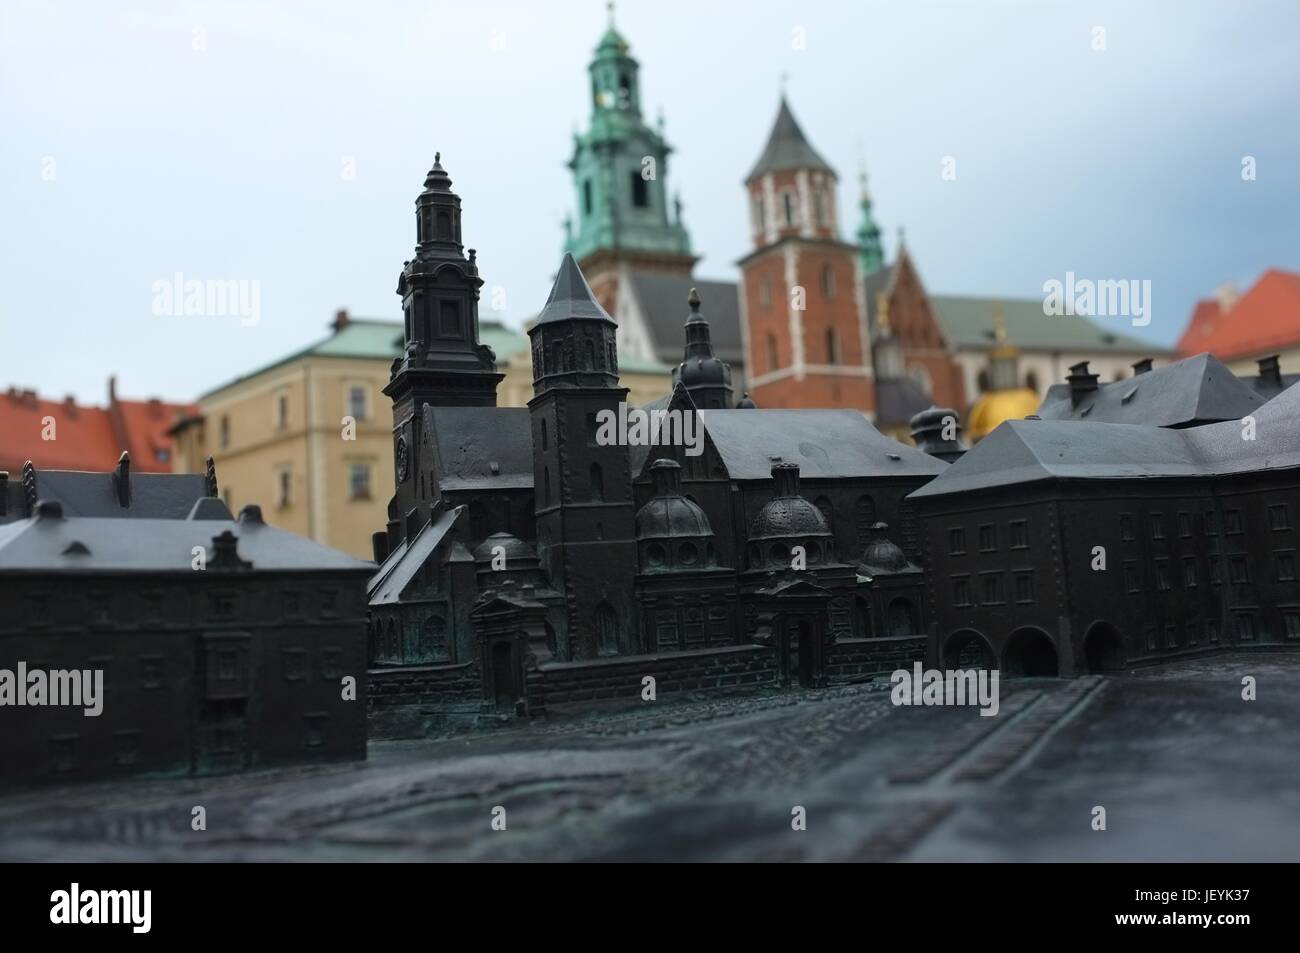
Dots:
pixel 403 460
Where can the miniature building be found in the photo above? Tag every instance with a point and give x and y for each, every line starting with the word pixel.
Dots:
pixel 1067 547
pixel 222 644
pixel 1188 393
pixel 532 559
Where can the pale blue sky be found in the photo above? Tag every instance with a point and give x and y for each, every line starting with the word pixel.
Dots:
pixel 226 162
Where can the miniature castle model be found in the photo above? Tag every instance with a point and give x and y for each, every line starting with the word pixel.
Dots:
pixel 531 561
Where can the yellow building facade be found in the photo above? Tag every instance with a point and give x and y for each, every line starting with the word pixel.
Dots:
pixel 309 438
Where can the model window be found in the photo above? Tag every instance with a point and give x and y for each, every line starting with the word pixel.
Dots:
pixel 1126 527
pixel 1285 567
pixel 1019 534
pixel 1232 522
pixel 988 539
pixel 961 590
pixel 1278 517
pixel 956 541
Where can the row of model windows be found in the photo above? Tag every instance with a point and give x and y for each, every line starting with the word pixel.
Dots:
pixel 1279 520
pixel 1017 534
pixel 152 669
pixel 829 287
pixel 990 588
pixel 1284 566
pixel 106 610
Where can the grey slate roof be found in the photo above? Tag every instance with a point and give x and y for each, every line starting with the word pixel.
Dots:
pixel 1026 451
pixel 571 298
pixel 1197 390
pixel 825 443
pixel 85 493
pixel 787 148
pixel 155 546
pixel 898 400
pixel 662 300
pixel 469 440
pixel 386 585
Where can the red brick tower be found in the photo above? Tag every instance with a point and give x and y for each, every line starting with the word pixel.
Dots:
pixel 803 314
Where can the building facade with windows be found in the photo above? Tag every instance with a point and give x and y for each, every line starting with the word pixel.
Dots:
pixel 1066 546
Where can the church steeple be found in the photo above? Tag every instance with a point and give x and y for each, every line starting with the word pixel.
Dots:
pixel 707 378
pixel 871 253
pixel 620 170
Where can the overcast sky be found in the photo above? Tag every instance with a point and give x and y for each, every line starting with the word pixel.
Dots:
pixel 128 155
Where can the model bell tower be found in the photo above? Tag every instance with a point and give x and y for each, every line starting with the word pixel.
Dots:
pixel 582 480
pixel 442 363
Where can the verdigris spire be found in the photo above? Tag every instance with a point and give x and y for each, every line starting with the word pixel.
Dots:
pixel 871 252
pixel 619 166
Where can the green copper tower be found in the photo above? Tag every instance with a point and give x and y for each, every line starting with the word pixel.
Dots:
pixel 620 170
pixel 870 251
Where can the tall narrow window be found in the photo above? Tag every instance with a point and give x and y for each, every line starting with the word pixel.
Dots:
pixel 787 199
pixel 760 216
pixel 586 197
pixel 225 432
pixel 640 191
pixel 771 352
pixel 828 282
pixel 597 484
pixel 832 346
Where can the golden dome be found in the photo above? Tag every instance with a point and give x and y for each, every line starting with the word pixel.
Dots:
pixel 999 405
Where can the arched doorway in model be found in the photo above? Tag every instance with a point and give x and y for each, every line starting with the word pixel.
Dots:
pixel 1103 649
pixel 1029 653
pixel 967 649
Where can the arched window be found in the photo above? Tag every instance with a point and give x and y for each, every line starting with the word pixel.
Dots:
pixel 819 207
pixel 788 203
pixel 543 434
pixel 589 348
pixel 606 629
pixel 597 484
pixel 586 197
pixel 760 214
pixel 832 346
pixel 828 281
pixel 432 646
pixel 771 352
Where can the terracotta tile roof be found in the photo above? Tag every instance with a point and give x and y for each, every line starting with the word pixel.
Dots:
pixel 86 437
pixel 1264 320
pixel 1199 330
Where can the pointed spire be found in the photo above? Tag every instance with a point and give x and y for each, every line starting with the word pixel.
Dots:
pixel 787 148
pixel 871 252
pixel 571 297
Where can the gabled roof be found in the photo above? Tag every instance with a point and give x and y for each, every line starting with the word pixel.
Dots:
pixel 156 546
pixel 826 444
pixel 1264 320
pixel 82 493
pixel 386 585
pixel 468 441
pixel 787 148
pixel 662 301
pixel 1195 390
pixel 1027 451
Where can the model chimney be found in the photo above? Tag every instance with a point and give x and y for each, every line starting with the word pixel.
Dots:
pixel 786 476
pixel 341 320
pixel 1142 366
pixel 1081 382
pixel 1270 370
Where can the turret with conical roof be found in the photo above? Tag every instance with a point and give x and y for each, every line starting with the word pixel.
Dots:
pixel 791 187
pixel 582 480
